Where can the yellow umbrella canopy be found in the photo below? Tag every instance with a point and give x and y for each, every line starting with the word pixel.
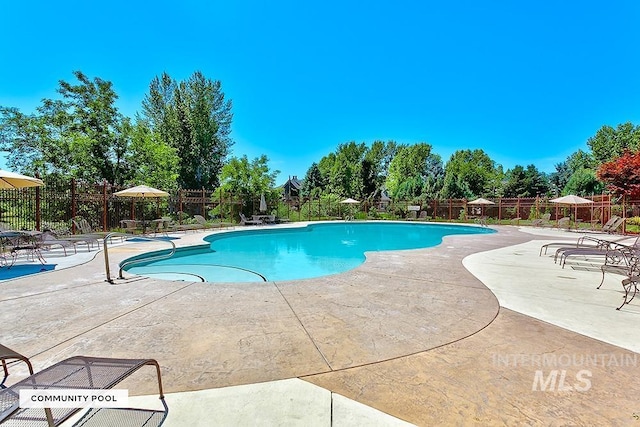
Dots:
pixel 13 180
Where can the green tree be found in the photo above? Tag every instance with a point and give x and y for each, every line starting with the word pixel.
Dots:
pixel 80 135
pixel 514 185
pixel 468 173
pixel 609 143
pixel 150 159
pixel 248 179
pixel 529 182
pixel 344 169
pixel 564 170
pixel 417 165
pixel 313 184
pixel 409 189
pixel 26 140
pixel 583 182
pixel 194 118
pixel 378 158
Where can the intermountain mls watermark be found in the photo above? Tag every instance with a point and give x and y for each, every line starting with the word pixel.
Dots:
pixel 564 372
pixel 77 398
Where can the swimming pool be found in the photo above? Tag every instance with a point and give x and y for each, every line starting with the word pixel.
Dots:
pixel 292 253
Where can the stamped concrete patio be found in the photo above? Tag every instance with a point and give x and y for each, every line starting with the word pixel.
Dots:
pixel 471 332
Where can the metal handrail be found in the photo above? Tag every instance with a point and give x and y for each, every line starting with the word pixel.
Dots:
pixel 134 261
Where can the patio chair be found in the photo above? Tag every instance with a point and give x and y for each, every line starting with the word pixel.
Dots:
pixel 203 222
pixel 8 357
pixel 482 221
pixel 542 221
pixel 245 221
pixel 565 223
pixel 624 261
pixel 629 284
pixel 48 239
pixel 79 372
pixel 129 225
pixel 610 222
pixel 582 242
pixel 171 226
pixel 86 232
pixel 565 253
pixel 613 227
pixel 158 227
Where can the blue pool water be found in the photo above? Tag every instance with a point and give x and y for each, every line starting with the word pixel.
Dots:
pixel 294 253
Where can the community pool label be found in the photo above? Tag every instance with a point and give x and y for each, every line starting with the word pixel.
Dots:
pixel 75 398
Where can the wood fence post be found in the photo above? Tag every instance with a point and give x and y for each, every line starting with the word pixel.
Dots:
pixel 38 216
pixel 204 207
pixel 73 204
pixel 105 208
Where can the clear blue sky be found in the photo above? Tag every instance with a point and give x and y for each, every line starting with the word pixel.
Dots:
pixel 527 82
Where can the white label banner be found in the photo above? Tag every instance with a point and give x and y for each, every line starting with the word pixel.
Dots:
pixel 74 398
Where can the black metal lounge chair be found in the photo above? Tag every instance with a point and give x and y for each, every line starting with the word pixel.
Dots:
pixel 74 373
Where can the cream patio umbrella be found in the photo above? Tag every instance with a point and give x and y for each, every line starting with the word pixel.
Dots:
pixel 263 203
pixel 482 203
pixel 143 192
pixel 13 180
pixel 350 202
pixel 571 200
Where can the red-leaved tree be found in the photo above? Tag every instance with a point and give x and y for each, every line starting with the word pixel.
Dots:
pixel 622 175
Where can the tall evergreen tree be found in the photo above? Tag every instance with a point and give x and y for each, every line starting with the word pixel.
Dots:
pixel 194 117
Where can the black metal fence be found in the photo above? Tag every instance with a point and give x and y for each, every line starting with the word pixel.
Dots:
pixel 53 206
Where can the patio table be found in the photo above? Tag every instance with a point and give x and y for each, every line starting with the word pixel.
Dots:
pixel 14 242
pixel 264 218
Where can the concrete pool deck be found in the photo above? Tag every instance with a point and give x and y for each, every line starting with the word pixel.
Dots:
pixel 459 334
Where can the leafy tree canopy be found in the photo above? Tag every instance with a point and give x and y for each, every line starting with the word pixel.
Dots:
pixel 467 174
pixel 415 164
pixel 622 175
pixel 246 178
pixel 80 135
pixel 195 119
pixel 313 183
pixel 583 182
pixel 609 143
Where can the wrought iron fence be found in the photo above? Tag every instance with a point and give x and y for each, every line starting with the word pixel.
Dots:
pixel 54 205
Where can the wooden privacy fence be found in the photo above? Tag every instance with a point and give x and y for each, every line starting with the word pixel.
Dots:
pixel 53 206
